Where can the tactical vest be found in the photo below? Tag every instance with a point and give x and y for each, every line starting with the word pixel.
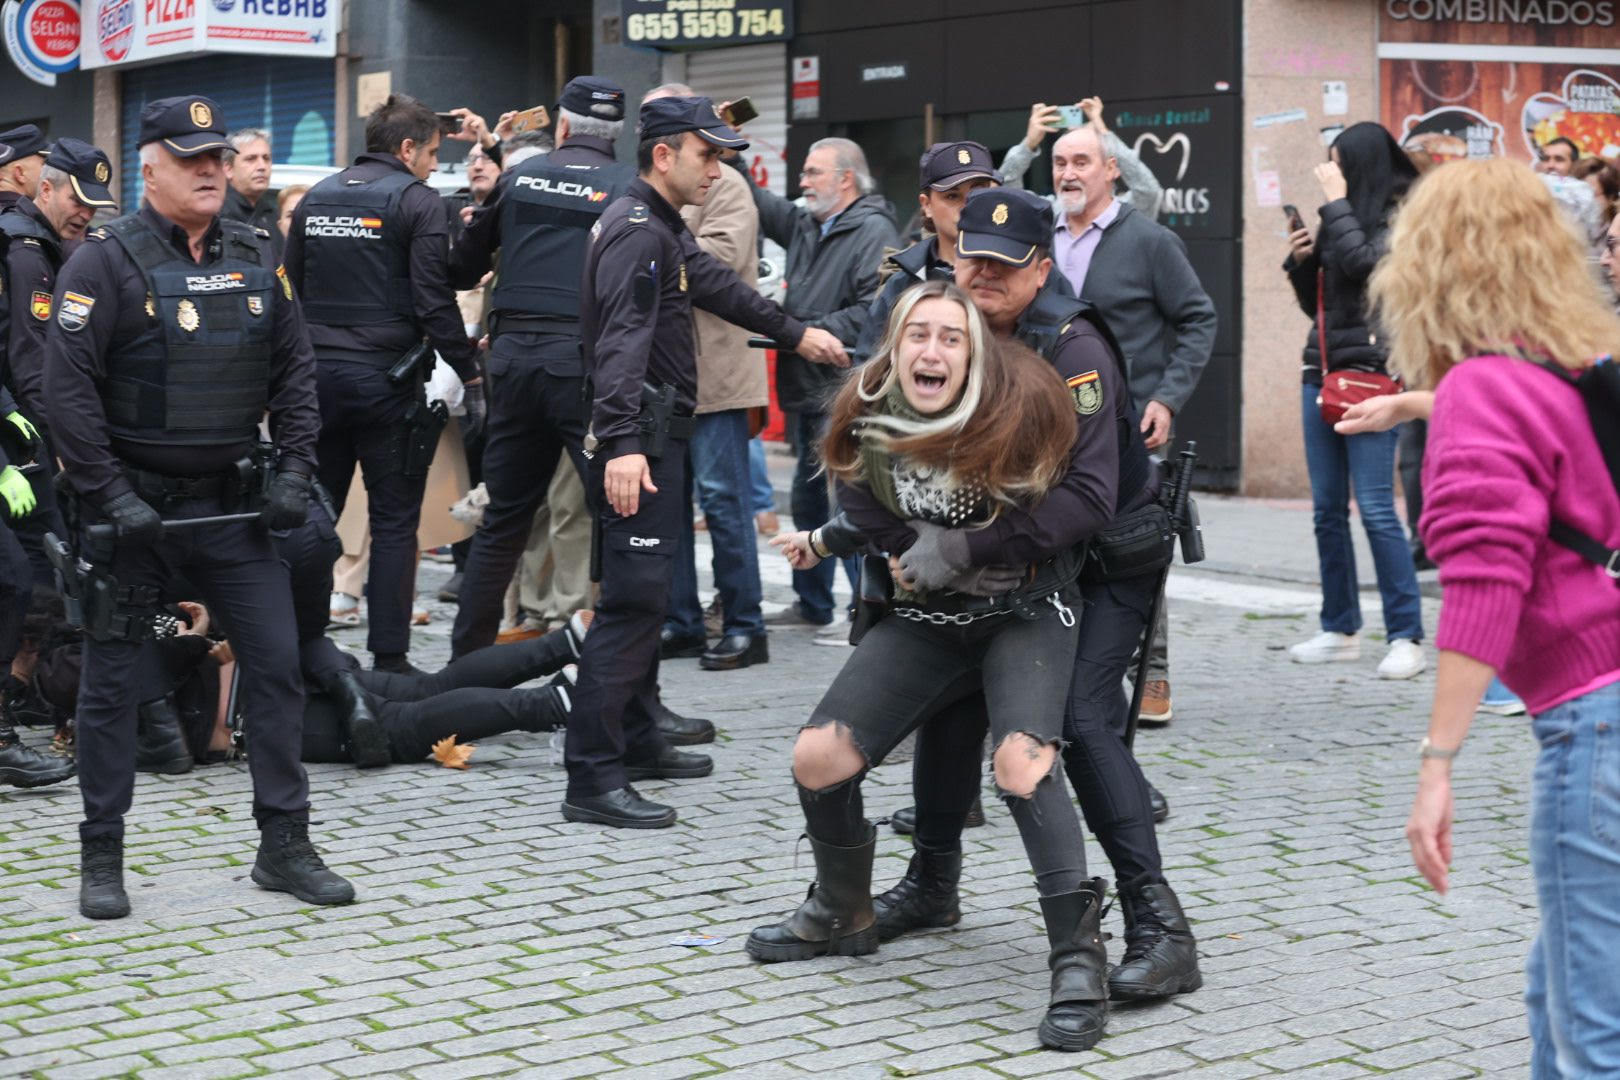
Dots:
pixel 357 251
pixel 1041 328
pixel 198 373
pixel 546 218
pixel 15 226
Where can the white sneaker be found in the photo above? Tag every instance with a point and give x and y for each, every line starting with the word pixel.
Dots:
pixel 345 610
pixel 834 635
pixel 1326 648
pixel 1405 660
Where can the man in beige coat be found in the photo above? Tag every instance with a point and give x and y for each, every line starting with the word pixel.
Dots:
pixel 731 382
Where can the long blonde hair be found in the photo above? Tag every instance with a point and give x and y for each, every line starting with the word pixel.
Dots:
pixel 1482 260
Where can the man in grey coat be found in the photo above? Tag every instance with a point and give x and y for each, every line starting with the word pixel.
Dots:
pixel 1137 274
pixel 835 244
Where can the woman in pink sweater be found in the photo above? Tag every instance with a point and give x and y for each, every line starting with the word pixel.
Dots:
pixel 1483 284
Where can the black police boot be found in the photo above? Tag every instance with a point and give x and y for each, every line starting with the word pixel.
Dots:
pixel 681 730
pixel 904 821
pixel 394 664
pixel 23 766
pixel 1078 1010
pixel 672 764
pixel 735 651
pixel 925 897
pixel 836 918
pixel 159 745
pixel 288 862
pixel 673 646
pixel 363 732
pixel 1161 954
pixel 101 878
pixel 1158 803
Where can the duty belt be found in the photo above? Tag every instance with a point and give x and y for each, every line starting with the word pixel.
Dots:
pixel 156 487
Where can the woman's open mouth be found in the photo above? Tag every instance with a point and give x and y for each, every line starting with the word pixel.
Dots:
pixel 928 382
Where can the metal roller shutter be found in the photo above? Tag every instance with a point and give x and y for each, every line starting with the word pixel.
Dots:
pixel 290 98
pixel 758 72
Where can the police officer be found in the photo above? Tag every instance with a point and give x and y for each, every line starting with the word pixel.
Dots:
pixel 1002 263
pixel 19 174
pixel 539 218
pixel 949 172
pixel 173 333
pixel 72 186
pixel 366 254
pixel 643 273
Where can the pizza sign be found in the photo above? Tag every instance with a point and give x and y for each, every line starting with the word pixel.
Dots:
pixel 42 37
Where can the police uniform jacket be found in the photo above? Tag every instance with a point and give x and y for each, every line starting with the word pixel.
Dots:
pixel 108 306
pixel 1108 470
pixel 432 300
pixel 546 336
pixel 33 258
pixel 643 274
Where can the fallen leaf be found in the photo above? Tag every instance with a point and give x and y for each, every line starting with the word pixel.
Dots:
pixel 451 756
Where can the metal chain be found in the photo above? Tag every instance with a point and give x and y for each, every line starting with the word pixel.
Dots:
pixel 939 618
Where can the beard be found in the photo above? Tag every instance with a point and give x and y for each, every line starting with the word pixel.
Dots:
pixel 1072 202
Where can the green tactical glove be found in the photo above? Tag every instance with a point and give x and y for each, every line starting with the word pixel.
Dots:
pixel 21 423
pixel 16 491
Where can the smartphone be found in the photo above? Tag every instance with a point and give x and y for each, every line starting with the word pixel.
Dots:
pixel 449 123
pixel 1295 222
pixel 1072 116
pixel 531 119
pixel 739 112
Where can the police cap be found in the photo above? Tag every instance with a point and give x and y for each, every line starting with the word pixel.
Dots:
pixel 186 126
pixel 946 164
pixel 588 95
pixel 23 140
pixel 673 115
pixel 1005 224
pixel 88 170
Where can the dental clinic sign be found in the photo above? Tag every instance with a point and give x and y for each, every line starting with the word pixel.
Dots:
pixel 42 37
pixel 133 31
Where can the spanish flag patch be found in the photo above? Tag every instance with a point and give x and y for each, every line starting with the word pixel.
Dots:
pixel 1086 391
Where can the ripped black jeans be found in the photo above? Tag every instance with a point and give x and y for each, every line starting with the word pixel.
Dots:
pixel 905 672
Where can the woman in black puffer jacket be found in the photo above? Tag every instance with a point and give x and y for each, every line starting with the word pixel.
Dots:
pixel 1365 178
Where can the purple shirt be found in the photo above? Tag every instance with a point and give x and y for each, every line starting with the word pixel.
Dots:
pixel 1073 253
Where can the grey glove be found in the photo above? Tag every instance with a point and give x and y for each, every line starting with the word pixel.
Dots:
pixel 987 580
pixel 938 555
pixel 137 523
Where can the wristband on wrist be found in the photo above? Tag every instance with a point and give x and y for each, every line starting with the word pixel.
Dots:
pixel 822 550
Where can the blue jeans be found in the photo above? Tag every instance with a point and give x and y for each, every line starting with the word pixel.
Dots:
pixel 1339 464
pixel 812 506
pixel 761 496
pixel 1572 995
pixel 721 478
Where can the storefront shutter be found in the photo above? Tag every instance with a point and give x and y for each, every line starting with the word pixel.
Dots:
pixel 290 98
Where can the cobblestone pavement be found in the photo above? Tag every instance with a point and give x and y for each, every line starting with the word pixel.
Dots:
pixel 492 938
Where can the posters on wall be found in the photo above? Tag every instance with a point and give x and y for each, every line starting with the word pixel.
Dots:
pixel 131 31
pixel 1471 109
pixel 1505 77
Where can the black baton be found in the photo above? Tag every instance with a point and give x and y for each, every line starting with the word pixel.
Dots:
pixel 110 532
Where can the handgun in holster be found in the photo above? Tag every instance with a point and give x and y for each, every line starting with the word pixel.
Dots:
pixel 410 362
pixel 424 421
pixel 657 410
pixel 95 602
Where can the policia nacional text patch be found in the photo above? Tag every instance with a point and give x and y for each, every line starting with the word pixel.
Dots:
pixel 1087 391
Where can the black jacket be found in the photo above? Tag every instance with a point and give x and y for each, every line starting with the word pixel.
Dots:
pixel 1346 252
pixel 830 280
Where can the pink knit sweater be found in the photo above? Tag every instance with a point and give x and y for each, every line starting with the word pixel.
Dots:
pixel 1510 447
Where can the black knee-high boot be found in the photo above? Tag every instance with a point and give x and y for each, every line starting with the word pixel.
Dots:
pixel 1078 1008
pixel 836 917
pixel 363 733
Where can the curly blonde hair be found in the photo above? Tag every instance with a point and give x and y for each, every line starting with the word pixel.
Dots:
pixel 1481 260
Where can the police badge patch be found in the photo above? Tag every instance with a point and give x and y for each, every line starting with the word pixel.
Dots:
pixel 255 306
pixel 1086 389
pixel 187 316
pixel 39 306
pixel 286 285
pixel 74 311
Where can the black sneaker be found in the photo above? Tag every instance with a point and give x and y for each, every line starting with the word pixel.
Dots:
pixel 288 862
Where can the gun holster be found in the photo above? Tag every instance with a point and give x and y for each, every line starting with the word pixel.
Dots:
pixel 658 422
pixel 96 603
pixel 424 421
